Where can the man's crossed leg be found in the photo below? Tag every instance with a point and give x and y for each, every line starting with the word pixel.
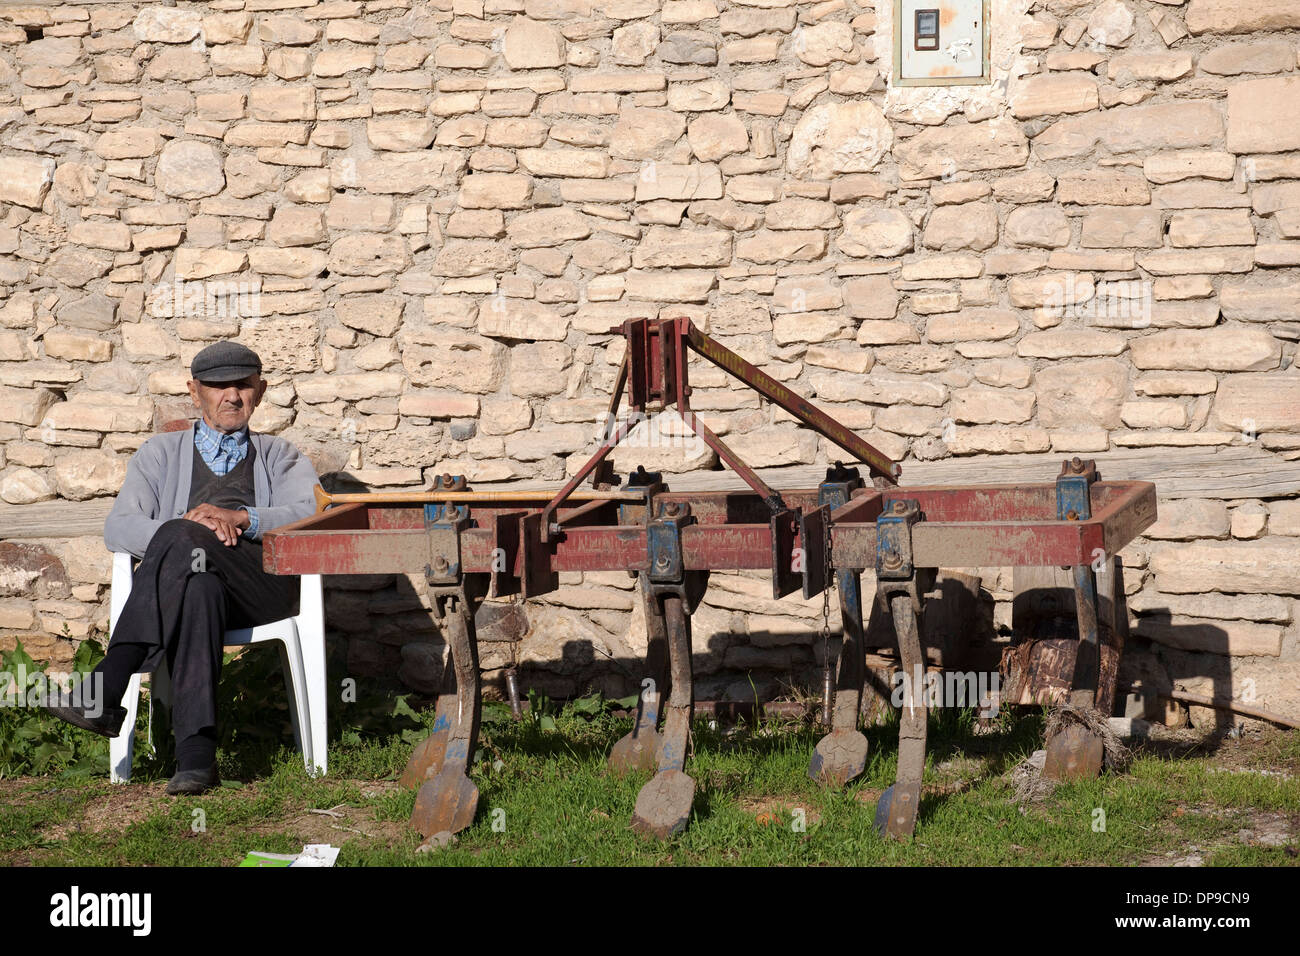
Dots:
pixel 189 589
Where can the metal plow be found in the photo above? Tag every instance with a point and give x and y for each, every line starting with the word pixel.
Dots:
pixel 470 545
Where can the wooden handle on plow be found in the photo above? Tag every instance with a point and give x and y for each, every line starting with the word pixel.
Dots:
pixel 324 499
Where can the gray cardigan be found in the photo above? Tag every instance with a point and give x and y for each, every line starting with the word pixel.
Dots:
pixel 157 488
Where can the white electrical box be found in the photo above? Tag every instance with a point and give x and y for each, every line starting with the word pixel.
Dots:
pixel 941 42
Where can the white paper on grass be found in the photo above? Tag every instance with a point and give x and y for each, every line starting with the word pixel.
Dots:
pixel 317 854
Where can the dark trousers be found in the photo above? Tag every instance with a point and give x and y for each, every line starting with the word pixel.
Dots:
pixel 187 592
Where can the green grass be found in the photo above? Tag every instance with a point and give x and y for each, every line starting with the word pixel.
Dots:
pixel 547 799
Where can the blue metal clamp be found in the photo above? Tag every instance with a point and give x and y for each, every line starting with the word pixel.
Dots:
pixel 1073 502
pixel 894 539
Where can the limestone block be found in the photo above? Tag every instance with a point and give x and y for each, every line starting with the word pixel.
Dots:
pixel 971 226
pixel 96 234
pixel 579 163
pixel 1111 23
pixel 973 325
pixel 280 104
pixel 832 138
pixel 665 247
pixel 1255 124
pixel 548 227
pixel 83 473
pixel 1211 227
pixel 339 61
pixel 1225 348
pixel 521 319
pixel 669 181
pixel 1231 59
pixel 767 246
pixel 998 439
pixel 1101 187
pixel 23 486
pixel 1126 129
pixel 456 360
pixel 1122 226
pixel 296 226
pixel 875 231
pixel 1259 402
pixel 1241 16
pixel 1048 94
pixel 1179 164
pixel 947 150
pixel 167 25
pixel 715 135
pixel 380 315
pixel 1038 225
pixel 25 182
pixel 295 263
pixel 368 254
pixel 537 368
pixel 401 134
pixel 1269 566
pixel 1087 393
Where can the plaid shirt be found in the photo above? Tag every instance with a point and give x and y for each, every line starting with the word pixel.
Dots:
pixel 222 453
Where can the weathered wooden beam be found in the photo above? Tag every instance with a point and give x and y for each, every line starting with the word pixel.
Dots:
pixel 1234 471
pixel 1229 472
pixel 54 519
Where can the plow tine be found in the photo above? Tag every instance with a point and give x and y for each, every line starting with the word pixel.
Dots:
pixel 841 755
pixel 426 760
pixel 663 806
pixel 1075 753
pixel 448 801
pixel 639 749
pixel 897 807
pixel 636 750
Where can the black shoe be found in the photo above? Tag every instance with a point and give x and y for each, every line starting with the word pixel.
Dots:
pixel 194 781
pixel 69 707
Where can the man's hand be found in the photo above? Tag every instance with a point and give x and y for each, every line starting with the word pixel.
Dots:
pixel 225 523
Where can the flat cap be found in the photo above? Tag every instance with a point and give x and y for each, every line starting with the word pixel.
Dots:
pixel 225 362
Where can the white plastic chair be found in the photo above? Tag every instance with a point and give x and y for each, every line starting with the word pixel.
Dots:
pixel 302 654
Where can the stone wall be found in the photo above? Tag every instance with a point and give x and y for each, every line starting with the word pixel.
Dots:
pixel 426 216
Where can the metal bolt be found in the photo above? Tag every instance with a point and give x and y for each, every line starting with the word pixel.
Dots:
pixel 446 480
pixel 1072 515
pixel 899 507
pixel 893 560
pixel 440 564
pixel 1076 464
pixel 672 508
pixel 661 561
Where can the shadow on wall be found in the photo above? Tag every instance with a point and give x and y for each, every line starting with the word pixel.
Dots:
pixel 1147 663
pixel 564 652
pixel 567 652
pixel 1171 653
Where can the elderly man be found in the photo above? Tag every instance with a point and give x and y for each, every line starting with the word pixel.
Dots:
pixel 193 508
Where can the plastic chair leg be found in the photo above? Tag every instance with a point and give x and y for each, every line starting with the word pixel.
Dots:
pixel 311 632
pixel 121 749
pixel 295 681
